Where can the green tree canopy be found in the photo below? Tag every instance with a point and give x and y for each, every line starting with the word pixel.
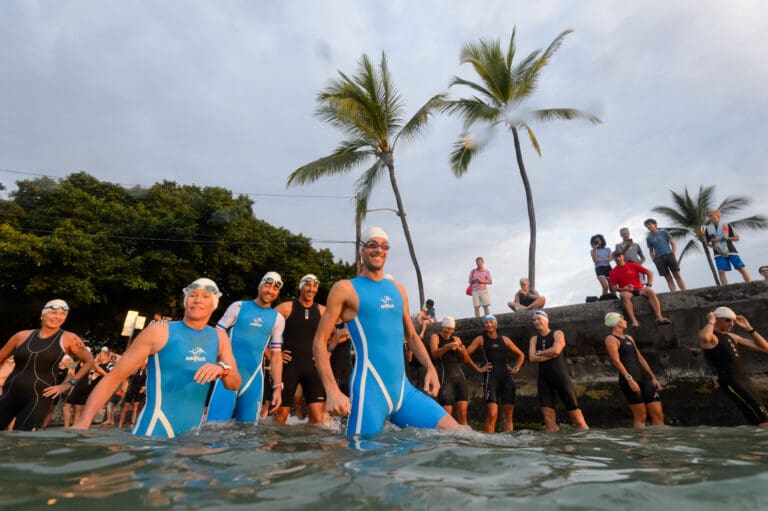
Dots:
pixel 107 249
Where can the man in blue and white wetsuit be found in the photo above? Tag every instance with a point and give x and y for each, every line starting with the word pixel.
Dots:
pixel 375 310
pixel 184 357
pixel 252 326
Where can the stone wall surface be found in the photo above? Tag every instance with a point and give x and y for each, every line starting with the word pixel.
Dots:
pixel 690 396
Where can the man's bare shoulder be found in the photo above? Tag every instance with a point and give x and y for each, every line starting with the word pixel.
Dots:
pixel 285 308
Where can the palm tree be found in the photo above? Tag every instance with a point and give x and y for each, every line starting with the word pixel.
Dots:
pixel 369 110
pixel 502 89
pixel 689 219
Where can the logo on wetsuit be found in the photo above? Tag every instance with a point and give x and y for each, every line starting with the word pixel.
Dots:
pixel 386 303
pixel 257 322
pixel 196 355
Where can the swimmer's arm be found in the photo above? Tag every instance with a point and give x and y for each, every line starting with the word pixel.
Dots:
pixel 436 352
pixel 13 343
pixel 276 362
pixel 233 380
pixel 335 306
pixel 75 346
pixel 707 339
pixel 612 347
pixel 532 356
pixel 149 341
pixel 517 351
pixel 475 344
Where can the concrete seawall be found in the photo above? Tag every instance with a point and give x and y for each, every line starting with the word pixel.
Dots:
pixel 690 397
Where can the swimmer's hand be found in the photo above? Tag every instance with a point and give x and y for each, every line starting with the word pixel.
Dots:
pixel 286 356
pixel 431 382
pixel 277 399
pixel 337 403
pixel 208 373
pixel 56 390
pixel 486 368
pixel 634 386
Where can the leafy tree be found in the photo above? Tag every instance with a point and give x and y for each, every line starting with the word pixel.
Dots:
pixel 107 249
pixel 689 218
pixel 501 91
pixel 369 110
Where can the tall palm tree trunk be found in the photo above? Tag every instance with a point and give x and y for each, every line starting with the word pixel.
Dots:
pixel 531 211
pixel 711 263
pixel 390 163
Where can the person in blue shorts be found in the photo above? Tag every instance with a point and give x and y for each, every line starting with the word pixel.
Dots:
pixel 253 325
pixel 375 310
pixel 721 236
pixel 184 358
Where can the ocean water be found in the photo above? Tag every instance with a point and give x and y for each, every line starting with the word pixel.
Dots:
pixel 241 467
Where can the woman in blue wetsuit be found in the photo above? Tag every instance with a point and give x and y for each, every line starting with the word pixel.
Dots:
pixel 546 349
pixel 32 387
pixel 184 358
pixel 636 380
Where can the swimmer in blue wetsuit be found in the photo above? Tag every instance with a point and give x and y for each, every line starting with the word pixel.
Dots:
pixel 375 310
pixel 184 357
pixel 253 325
pixel 546 349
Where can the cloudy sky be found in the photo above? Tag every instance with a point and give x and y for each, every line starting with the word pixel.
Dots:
pixel 222 94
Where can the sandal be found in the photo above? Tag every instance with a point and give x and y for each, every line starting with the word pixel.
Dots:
pixel 663 321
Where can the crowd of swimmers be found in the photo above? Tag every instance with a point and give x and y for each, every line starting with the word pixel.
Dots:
pixel 183 374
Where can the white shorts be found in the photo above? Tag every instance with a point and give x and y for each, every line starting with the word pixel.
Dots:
pixel 481 298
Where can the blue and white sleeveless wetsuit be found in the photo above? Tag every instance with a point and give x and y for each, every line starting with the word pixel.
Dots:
pixel 175 402
pixel 251 327
pixel 379 388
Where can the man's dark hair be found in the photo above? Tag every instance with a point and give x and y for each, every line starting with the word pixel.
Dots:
pixel 650 221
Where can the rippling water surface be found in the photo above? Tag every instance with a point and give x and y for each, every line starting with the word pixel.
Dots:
pixel 301 467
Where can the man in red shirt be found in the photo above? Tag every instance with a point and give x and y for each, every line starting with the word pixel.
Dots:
pixel 625 278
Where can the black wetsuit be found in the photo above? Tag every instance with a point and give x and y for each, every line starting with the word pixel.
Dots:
pixel 553 377
pixel 341 363
pixel 37 360
pixel 499 386
pixel 135 383
pixel 453 384
pixel 79 394
pixel 628 358
pixel 734 378
pixel 298 335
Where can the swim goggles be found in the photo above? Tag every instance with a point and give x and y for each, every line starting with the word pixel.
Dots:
pixel 373 245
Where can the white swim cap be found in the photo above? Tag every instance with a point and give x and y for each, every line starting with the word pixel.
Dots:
pixel 448 322
pixel 272 277
pixel 612 319
pixel 725 312
pixel 55 305
pixel 206 285
pixel 309 277
pixel 373 232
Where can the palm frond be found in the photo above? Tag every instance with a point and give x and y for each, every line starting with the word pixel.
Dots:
pixel 532 138
pixel 338 162
pixel 567 114
pixel 754 222
pixel 488 95
pixel 472 110
pixel 461 155
pixel 364 187
pixel 418 122
pixel 732 204
pixel 511 49
pixel 691 246
pixel 488 62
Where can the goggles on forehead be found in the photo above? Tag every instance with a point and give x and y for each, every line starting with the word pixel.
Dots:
pixel 309 279
pixel 207 287
pixel 56 307
pixel 269 280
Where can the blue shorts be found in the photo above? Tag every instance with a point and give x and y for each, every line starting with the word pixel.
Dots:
pixel 724 262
